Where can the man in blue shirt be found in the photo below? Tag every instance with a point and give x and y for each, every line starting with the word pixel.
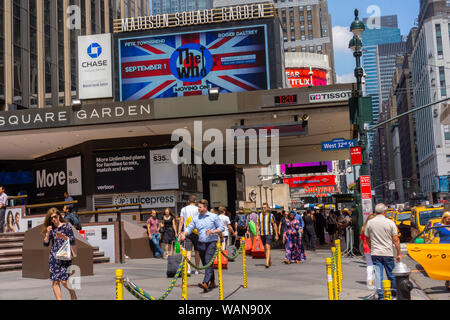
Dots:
pixel 68 198
pixel 209 226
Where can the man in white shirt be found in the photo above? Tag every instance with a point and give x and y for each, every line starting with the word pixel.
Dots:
pixel 382 236
pixel 191 242
pixel 3 200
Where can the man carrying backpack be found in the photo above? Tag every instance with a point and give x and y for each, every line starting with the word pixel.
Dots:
pixel 71 217
pixel 240 225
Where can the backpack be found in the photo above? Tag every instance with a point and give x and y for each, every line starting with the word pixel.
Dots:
pixel 242 221
pixel 73 219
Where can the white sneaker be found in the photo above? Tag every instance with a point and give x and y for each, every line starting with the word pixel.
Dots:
pixel 189 273
pixel 196 272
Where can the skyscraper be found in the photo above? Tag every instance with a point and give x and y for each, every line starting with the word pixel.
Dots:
pixel 430 78
pixel 306 24
pixel 172 6
pixel 38 51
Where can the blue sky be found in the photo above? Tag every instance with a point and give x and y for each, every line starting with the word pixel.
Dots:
pixel 342 16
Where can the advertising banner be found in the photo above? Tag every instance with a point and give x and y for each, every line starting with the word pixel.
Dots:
pixel 190 174
pixel 94 66
pixel 186 64
pixel 149 200
pixel 53 178
pixel 164 173
pixel 300 77
pixel 121 171
pixel 218 192
pixel 356 156
pixel 366 188
pixel 311 181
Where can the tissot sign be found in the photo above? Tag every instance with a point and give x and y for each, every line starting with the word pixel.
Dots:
pixel 66 117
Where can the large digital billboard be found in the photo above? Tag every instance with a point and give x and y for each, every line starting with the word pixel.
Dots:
pixel 301 77
pixel 185 64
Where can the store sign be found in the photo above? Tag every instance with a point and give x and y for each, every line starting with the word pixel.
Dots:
pixel 318 192
pixel 121 171
pixel 163 170
pixel 337 96
pixel 198 17
pixel 306 77
pixel 149 200
pixel 186 64
pixel 311 181
pixel 190 176
pixel 95 66
pixel 356 156
pixel 42 118
pixel 53 178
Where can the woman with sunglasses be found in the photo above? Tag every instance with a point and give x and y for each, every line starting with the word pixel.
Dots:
pixel 56 229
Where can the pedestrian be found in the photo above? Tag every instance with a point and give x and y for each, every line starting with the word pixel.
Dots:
pixel 240 225
pixel 444 235
pixel 168 233
pixel 282 224
pixel 310 235
pixel 187 214
pixel 71 217
pixel 227 224
pixel 58 232
pixel 292 240
pixel 382 236
pixel 369 269
pixel 332 225
pixel 320 225
pixel 253 216
pixel 153 226
pixel 266 227
pixel 209 227
pixel 3 204
pixel 9 227
pixel 68 198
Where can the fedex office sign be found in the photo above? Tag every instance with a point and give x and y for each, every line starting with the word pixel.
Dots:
pixel 53 178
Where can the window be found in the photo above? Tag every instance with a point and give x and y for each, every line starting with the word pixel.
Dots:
pixel 319 48
pixel 311 49
pixel 302 18
pixel 310 37
pixel 442 82
pixel 303 49
pixel 294 49
pixel 439 40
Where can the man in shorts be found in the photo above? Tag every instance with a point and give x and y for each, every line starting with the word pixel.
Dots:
pixel 191 242
pixel 266 227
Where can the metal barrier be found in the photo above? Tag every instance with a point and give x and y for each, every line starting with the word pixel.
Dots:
pixel 334 271
pixel 140 294
pixel 349 242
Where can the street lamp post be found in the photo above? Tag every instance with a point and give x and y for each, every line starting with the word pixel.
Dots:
pixel 357 28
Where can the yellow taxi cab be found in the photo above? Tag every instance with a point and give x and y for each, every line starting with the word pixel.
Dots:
pixel 390 214
pixel 403 221
pixel 421 216
pixel 427 235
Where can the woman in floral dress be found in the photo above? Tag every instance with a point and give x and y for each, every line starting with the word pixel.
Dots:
pixel 58 231
pixel 292 241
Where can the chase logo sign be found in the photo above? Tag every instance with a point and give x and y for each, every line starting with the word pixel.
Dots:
pixel 94 50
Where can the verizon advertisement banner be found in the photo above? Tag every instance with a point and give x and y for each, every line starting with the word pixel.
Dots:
pixel 53 178
pixel 311 181
pixel 163 171
pixel 94 66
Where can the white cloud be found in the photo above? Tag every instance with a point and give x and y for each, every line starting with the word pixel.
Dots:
pixel 346 78
pixel 341 38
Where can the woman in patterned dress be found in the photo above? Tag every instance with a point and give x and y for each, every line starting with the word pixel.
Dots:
pixel 292 240
pixel 58 231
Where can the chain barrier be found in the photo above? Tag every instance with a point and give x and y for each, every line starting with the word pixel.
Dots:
pixel 236 255
pixel 142 295
pixel 206 266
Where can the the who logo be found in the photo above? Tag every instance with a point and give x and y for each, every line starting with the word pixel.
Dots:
pixel 191 62
pixel 94 50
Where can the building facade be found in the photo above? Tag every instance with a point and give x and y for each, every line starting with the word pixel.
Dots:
pixel 38 46
pixel 172 6
pixel 430 77
pixel 307 26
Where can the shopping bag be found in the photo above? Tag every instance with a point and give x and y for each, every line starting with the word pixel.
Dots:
pixel 258 249
pixel 224 261
pixel 64 253
pixel 248 244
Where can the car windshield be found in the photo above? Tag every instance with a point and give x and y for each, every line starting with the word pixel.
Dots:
pixel 426 216
pixel 389 214
pixel 404 216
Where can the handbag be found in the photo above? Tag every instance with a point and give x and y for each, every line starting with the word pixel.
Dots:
pixel 64 253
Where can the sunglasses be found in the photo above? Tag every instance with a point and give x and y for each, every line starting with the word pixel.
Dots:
pixel 53 217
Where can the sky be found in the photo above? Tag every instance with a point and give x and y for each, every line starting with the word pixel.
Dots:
pixel 342 16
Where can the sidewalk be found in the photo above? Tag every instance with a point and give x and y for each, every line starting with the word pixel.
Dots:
pixel 305 281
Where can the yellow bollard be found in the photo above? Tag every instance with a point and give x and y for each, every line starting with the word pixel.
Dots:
pixel 184 285
pixel 329 279
pixel 244 263
pixel 119 284
pixel 339 263
pixel 335 274
pixel 387 290
pixel 219 269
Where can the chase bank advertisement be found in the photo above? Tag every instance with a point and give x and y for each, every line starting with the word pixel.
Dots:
pixel 186 64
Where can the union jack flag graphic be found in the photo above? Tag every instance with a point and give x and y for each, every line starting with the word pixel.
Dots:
pixel 232 60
